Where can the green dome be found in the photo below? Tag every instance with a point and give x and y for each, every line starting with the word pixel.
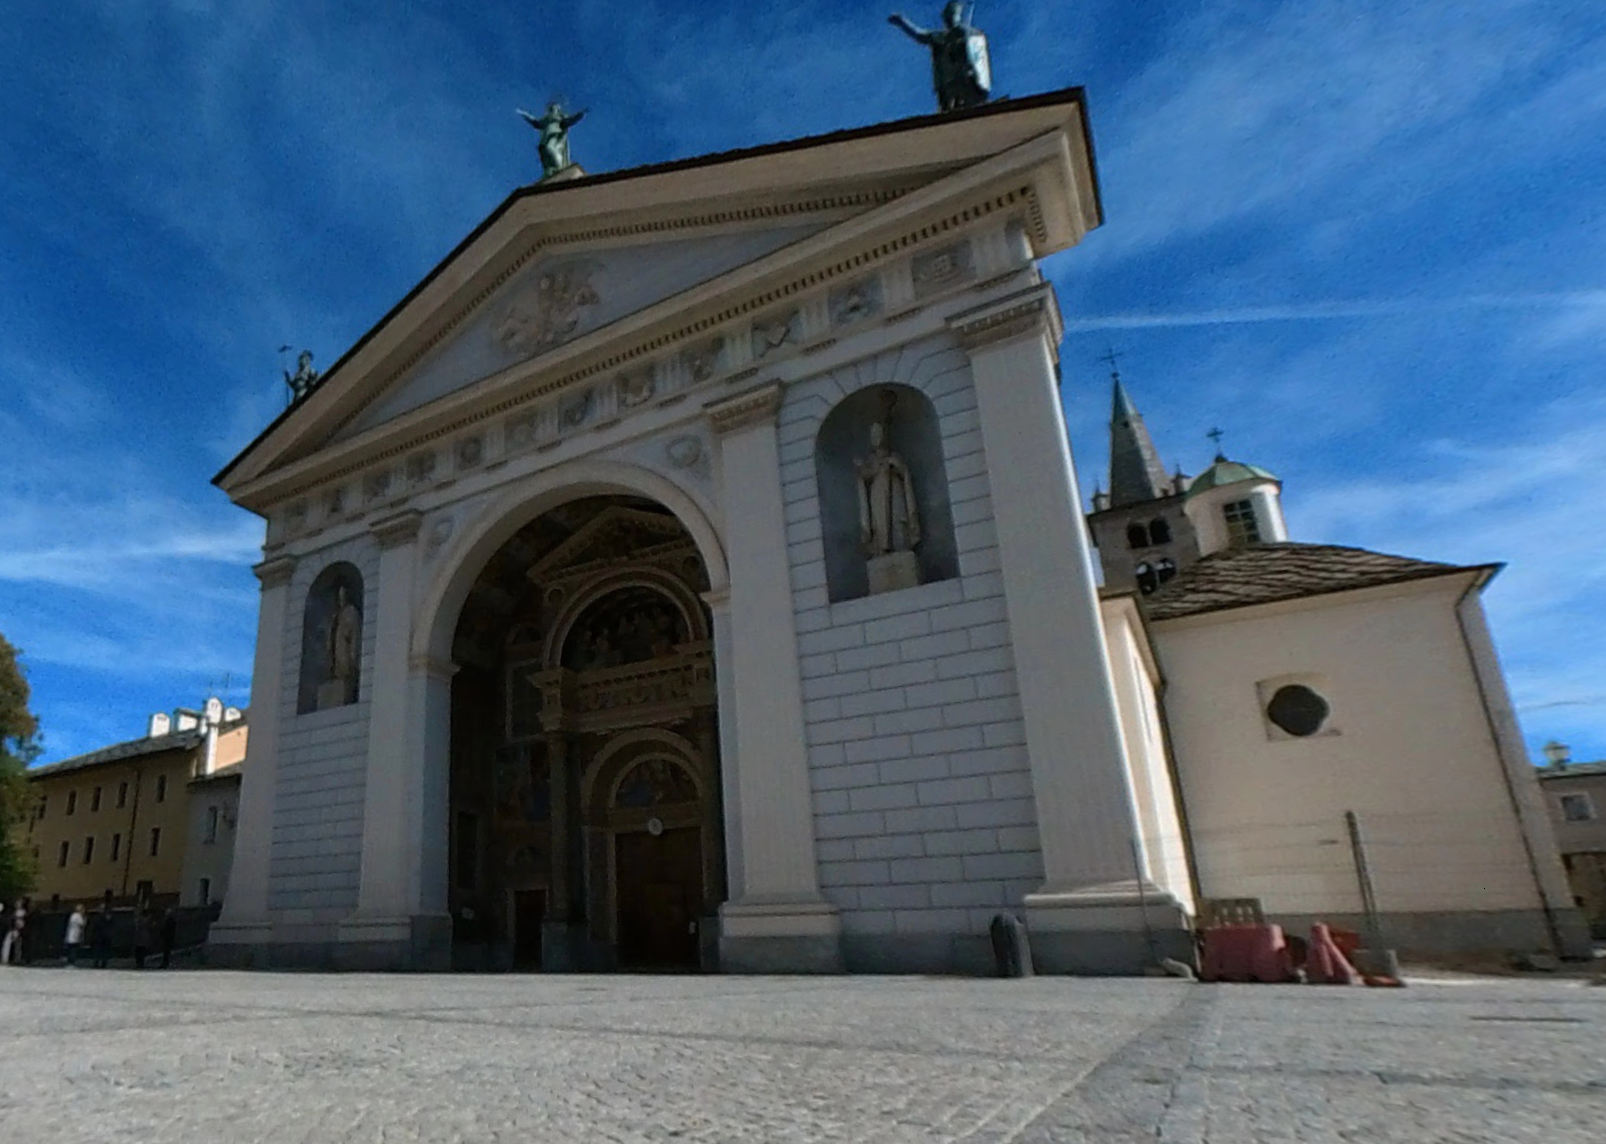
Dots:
pixel 1225 472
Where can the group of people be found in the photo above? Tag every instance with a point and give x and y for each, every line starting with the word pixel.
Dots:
pixel 154 934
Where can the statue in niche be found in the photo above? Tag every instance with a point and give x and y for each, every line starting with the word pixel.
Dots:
pixel 554 146
pixel 961 70
pixel 343 650
pixel 889 518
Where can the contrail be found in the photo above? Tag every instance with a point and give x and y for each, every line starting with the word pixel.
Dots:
pixel 1337 311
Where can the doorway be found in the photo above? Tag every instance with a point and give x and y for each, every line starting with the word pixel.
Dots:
pixel 660 894
pixel 529 910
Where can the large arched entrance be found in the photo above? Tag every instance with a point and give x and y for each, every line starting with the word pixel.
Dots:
pixel 585 818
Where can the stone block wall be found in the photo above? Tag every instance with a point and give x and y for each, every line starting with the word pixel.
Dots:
pixel 923 810
pixel 322 765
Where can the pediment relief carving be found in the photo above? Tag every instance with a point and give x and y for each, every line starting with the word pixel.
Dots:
pixel 617 535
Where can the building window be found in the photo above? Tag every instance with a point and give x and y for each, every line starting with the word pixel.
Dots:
pixel 1137 536
pixel 143 891
pixel 1577 808
pixel 41 806
pixel 161 788
pixel 1159 532
pixel 61 859
pixel 1297 710
pixel 72 801
pixel 94 801
pixel 211 824
pixel 205 894
pixel 122 795
pixel 89 849
pixel 1241 525
pixel 156 841
pixel 117 846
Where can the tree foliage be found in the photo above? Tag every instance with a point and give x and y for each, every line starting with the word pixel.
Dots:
pixel 19 746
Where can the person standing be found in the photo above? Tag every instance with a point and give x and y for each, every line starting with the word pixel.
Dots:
pixel 169 934
pixel 77 922
pixel 103 932
pixel 142 934
pixel 12 943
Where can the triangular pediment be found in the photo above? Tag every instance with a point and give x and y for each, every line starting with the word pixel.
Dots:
pixel 594 280
pixel 615 534
pixel 558 298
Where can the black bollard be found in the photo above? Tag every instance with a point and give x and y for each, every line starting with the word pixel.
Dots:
pixel 1012 953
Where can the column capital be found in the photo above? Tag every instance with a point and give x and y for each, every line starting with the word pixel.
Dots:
pixel 401 528
pixel 745 410
pixel 432 666
pixel 275 573
pixel 1034 310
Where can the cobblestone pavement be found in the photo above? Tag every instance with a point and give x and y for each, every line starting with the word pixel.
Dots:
pixel 181 1057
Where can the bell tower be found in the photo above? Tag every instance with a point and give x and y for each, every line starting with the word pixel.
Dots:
pixel 1143 533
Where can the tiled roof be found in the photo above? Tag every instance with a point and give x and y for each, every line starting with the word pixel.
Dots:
pixel 133 749
pixel 1267 573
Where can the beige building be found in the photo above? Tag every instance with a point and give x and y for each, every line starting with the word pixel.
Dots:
pixel 1575 795
pixel 118 819
pixel 1301 683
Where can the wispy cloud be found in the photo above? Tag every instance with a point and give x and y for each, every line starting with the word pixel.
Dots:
pixel 1583 306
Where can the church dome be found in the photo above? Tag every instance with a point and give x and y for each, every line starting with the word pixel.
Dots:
pixel 1224 473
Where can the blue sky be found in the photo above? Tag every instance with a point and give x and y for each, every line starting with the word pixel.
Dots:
pixel 1364 238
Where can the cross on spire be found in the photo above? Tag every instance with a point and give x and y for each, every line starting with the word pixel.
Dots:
pixel 1111 358
pixel 1216 435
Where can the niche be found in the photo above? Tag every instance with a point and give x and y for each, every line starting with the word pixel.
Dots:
pixel 331 640
pixel 884 515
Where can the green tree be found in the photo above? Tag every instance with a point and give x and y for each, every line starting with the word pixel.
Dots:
pixel 19 746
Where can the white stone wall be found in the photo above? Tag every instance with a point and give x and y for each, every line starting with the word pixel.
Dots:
pixel 923 805
pixel 322 763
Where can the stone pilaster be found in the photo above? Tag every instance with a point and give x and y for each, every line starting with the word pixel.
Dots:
pixel 1092 913
pixel 244 931
pixel 398 923
pixel 776 920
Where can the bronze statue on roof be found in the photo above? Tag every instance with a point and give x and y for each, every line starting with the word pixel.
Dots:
pixel 961 71
pixel 554 146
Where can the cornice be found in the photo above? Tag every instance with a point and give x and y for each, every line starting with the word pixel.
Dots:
pixel 397 530
pixel 746 410
pixel 1034 310
pixel 275 573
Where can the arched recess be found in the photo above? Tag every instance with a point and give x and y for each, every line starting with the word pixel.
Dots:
pixel 694 619
pixel 331 640
pixel 911 434
pixel 441 602
pixel 667 823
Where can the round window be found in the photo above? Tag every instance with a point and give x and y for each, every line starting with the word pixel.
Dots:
pixel 1298 710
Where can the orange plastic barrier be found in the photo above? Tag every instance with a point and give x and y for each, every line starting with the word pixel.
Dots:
pixel 1246 953
pixel 1326 963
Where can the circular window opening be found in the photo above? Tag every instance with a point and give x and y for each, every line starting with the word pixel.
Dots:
pixel 1298 710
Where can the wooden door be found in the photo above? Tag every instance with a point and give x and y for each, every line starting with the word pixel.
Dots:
pixel 529 908
pixel 660 893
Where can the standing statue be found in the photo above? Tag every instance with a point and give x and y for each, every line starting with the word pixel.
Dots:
pixel 345 649
pixel 960 68
pixel 889 520
pixel 554 146
pixel 304 378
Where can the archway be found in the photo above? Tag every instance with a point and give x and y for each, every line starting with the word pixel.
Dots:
pixel 585 815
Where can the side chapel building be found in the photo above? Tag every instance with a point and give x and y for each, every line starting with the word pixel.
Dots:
pixel 691 571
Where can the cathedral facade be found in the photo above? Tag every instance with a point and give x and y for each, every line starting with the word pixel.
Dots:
pixel 690 572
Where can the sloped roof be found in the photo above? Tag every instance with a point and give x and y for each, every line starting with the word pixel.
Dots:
pixel 134 749
pixel 1268 573
pixel 119 752
pixel 1571 770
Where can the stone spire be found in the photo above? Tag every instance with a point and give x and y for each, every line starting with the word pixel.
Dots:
pixel 1136 474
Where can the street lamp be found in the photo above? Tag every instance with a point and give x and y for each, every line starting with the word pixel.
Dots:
pixel 1557 754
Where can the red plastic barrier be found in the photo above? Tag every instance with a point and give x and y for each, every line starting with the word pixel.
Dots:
pixel 1246 953
pixel 1326 963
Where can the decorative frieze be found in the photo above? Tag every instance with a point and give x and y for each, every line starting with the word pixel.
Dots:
pixel 1033 310
pixel 394 531
pixel 755 407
